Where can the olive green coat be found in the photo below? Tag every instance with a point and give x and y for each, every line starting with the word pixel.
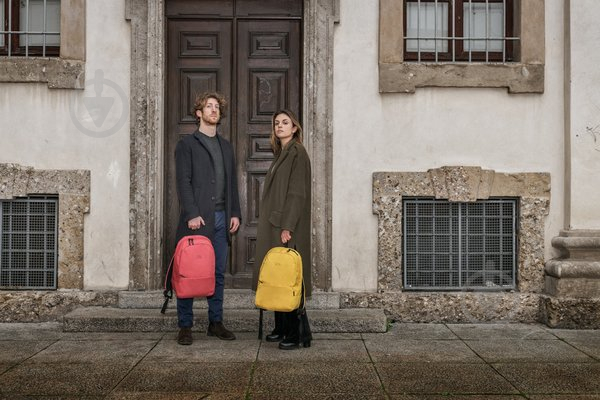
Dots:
pixel 285 204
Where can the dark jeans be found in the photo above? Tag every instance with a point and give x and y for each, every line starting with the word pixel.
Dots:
pixel 185 314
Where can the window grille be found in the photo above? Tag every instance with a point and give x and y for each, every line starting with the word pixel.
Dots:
pixel 28 245
pixel 459 246
pixel 459 30
pixel 30 27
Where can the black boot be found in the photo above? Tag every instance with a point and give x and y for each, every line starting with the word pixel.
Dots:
pixel 277 334
pixel 292 337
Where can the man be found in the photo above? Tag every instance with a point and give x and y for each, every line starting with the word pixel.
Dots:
pixel 209 205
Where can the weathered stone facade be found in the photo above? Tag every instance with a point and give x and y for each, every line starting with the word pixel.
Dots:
pixel 458 184
pixel 73 191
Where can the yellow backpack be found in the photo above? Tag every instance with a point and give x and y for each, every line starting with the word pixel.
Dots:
pixel 280 280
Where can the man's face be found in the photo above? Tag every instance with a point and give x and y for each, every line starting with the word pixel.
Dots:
pixel 210 113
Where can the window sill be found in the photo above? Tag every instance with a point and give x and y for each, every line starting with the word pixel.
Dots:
pixel 57 72
pixel 405 77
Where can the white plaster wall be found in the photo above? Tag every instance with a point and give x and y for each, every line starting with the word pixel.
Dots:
pixel 42 134
pixel 584 129
pixel 431 128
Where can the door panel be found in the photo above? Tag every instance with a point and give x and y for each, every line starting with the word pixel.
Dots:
pixel 268 74
pixel 255 63
pixel 198 61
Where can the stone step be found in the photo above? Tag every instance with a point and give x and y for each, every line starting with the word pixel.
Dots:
pixel 107 319
pixel 241 299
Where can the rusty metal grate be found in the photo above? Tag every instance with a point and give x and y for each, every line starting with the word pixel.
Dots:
pixel 459 246
pixel 29 244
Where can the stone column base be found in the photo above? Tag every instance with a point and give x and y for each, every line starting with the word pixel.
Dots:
pixel 570 313
pixel 572 282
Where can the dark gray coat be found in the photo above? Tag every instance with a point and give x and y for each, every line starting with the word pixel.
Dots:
pixel 286 204
pixel 196 185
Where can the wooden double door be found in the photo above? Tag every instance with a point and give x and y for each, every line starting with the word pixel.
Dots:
pixel 250 51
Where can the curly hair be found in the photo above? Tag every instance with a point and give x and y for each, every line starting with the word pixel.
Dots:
pixel 203 98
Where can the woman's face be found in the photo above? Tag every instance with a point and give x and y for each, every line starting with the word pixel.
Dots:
pixel 284 128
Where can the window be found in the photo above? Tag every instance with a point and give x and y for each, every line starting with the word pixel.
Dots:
pixel 461 43
pixel 458 246
pixel 30 28
pixel 28 245
pixel 459 30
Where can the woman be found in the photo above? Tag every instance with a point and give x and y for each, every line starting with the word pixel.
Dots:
pixel 284 218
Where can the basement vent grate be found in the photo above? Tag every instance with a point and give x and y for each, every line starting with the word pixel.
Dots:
pixel 459 246
pixel 28 245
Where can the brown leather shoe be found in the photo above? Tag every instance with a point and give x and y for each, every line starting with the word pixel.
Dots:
pixel 185 336
pixel 217 329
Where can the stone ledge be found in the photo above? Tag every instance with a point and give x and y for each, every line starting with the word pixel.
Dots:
pixel 570 313
pixel 41 306
pixel 233 299
pixel 57 72
pixel 106 319
pixel 449 307
pixel 405 77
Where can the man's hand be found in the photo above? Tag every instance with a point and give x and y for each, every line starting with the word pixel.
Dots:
pixel 234 224
pixel 196 223
pixel 285 236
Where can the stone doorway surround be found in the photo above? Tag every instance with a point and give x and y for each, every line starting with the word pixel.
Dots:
pixel 458 184
pixel 147 133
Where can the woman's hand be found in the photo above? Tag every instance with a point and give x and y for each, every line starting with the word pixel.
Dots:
pixel 285 236
pixel 196 223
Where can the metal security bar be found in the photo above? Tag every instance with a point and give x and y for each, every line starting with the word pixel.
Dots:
pixel 459 30
pixel 459 246
pixel 28 245
pixel 30 27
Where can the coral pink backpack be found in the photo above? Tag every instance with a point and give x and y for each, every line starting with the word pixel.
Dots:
pixel 192 269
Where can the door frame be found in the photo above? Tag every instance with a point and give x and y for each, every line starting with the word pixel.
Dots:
pixel 147 118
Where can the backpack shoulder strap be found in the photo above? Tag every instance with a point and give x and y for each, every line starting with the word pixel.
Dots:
pixel 168 292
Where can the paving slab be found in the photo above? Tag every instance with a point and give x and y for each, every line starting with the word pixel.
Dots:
pixel 589 346
pixel 565 397
pixel 31 331
pixel 555 378
pixel 511 350
pixel 442 378
pixel 70 351
pixel 310 379
pixel 61 397
pixel 568 334
pixel 501 331
pixel 338 335
pixel 320 351
pixel 391 349
pixel 415 331
pixel 49 379
pixel 164 377
pixel 457 397
pixel 14 351
pixel 205 351
pixel 328 396
pixel 5 366
pixel 174 396
pixel 93 336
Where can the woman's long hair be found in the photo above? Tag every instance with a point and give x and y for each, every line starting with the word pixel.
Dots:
pixel 275 142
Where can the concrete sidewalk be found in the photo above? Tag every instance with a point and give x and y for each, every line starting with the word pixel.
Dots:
pixel 411 361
